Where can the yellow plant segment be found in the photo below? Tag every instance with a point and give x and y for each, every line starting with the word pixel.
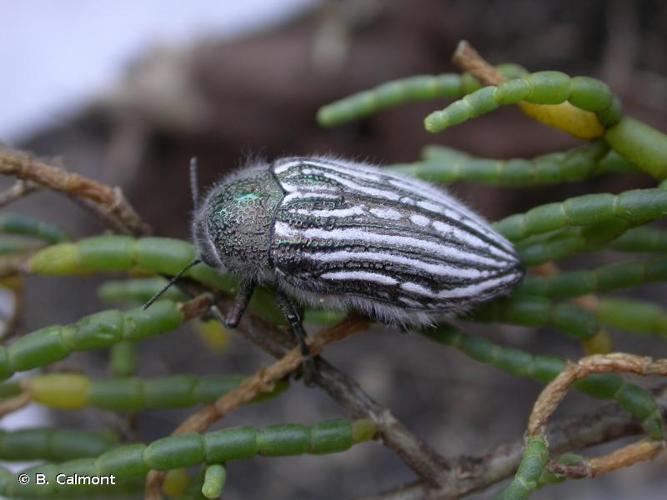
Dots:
pixel 601 343
pixel 14 282
pixel 213 335
pixel 574 121
pixel 176 483
pixel 64 391
pixel 57 260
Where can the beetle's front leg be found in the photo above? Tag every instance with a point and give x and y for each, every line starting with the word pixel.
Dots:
pixel 294 319
pixel 241 301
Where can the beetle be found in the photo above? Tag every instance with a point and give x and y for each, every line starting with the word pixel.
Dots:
pixel 344 235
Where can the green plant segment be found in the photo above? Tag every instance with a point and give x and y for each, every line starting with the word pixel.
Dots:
pixel 633 316
pixel 631 397
pixel 540 311
pixel 641 239
pixel 634 208
pixel 602 279
pixel 544 87
pixel 70 391
pixel 527 478
pixel 406 90
pixel 568 242
pixel 104 254
pixel 637 142
pixel 184 450
pixel 137 290
pixel 123 358
pixel 11 246
pixel 445 165
pixel 530 310
pixel 28 226
pixel 214 481
pixel 97 331
pixel 54 445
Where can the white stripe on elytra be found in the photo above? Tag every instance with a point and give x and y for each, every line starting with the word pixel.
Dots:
pixel 429 192
pixel 359 275
pixel 386 213
pixel 360 173
pixel 391 214
pixel 289 187
pixel 420 220
pixel 308 195
pixel 456 293
pixel 285 164
pixel 334 212
pixel 352 234
pixel 381 193
pixel 442 203
pixel 436 269
pixel 449 211
pixel 471 239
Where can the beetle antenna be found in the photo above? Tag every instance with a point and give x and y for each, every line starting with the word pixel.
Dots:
pixel 173 280
pixel 194 182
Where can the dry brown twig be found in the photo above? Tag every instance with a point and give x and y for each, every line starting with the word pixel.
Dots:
pixel 20 189
pixel 115 208
pixel 13 404
pixel 555 392
pixel 468 59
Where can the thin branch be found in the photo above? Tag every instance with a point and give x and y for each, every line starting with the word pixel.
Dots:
pixel 20 189
pixel 10 265
pixel 415 453
pixel 468 59
pixel 113 201
pixel 557 389
pixel 13 322
pixel 16 403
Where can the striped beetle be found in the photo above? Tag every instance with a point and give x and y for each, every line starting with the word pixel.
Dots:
pixel 342 235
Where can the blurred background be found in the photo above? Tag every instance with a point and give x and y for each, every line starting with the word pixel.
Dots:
pixel 126 92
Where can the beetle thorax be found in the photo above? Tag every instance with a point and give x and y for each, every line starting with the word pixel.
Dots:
pixel 233 227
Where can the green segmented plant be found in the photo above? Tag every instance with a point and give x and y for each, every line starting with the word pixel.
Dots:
pixel 406 90
pixel 54 445
pixel 641 239
pixel 69 391
pixel 28 226
pixel 544 87
pixel 445 165
pixel 639 206
pixel 214 480
pixel 602 279
pixel 97 331
pixel 548 297
pixel 540 311
pixel 135 460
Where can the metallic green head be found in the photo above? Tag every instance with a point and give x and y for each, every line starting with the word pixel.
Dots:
pixel 232 226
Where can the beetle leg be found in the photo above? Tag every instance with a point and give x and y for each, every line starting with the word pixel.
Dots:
pixel 293 318
pixel 241 301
